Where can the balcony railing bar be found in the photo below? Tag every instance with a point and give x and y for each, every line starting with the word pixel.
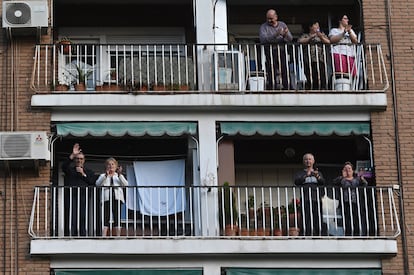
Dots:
pixel 390 209
pixel 372 64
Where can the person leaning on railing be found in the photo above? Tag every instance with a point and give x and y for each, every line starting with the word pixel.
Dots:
pixel 310 178
pixel 112 194
pixel 314 63
pixel 272 33
pixel 353 209
pixel 77 177
pixel 344 52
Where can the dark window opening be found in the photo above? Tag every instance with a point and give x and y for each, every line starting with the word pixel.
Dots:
pixel 330 152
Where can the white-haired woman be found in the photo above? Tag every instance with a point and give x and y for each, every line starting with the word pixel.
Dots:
pixel 112 194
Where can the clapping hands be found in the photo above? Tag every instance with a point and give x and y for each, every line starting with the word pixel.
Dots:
pixel 348 28
pixel 119 170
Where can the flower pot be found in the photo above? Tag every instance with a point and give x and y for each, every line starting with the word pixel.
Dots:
pixel 244 232
pixel 111 87
pixel 184 87
pixel 158 87
pixel 277 232
pixel 231 230
pixel 294 231
pixel 143 88
pixel 80 87
pixel 295 219
pixel 61 87
pixel 263 231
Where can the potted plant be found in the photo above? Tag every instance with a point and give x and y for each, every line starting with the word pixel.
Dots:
pixel 158 86
pixel 141 86
pixel 81 75
pixel 251 207
pixel 99 86
pixel 113 81
pixel 113 74
pixel 244 230
pixel 61 87
pixel 185 86
pixel 294 208
pixel 279 220
pixel 180 87
pixel 227 207
pixel 63 83
pixel 264 219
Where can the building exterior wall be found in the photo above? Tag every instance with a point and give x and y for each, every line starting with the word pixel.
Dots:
pixel 18 185
pixel 16 115
pixel 394 127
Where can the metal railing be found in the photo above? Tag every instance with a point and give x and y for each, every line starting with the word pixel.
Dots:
pixel 218 212
pixel 208 68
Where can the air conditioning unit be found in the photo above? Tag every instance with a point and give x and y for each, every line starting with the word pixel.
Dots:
pixel 25 14
pixel 24 146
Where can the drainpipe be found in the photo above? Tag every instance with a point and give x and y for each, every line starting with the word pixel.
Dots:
pixel 4 196
pixel 397 140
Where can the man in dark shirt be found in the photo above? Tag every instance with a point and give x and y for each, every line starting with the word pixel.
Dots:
pixel 274 34
pixel 310 178
pixel 77 179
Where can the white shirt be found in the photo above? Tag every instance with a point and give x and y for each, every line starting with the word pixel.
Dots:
pixel 348 50
pixel 118 182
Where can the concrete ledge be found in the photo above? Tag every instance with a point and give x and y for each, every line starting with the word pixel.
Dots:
pixel 122 246
pixel 212 101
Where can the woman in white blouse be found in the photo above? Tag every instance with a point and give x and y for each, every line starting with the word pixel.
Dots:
pixel 344 52
pixel 112 194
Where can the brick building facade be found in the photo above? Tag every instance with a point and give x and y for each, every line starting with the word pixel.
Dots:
pixel 383 23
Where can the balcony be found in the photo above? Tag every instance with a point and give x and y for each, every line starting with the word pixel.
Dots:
pixel 202 76
pixel 188 220
pixel 213 68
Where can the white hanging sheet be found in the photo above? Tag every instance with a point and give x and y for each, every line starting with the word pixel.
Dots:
pixel 157 201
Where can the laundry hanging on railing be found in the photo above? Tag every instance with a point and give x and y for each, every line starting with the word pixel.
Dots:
pixel 150 200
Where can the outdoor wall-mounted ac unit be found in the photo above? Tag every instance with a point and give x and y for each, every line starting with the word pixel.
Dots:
pixel 24 145
pixel 25 14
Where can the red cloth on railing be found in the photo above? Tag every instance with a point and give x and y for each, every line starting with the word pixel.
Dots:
pixel 344 64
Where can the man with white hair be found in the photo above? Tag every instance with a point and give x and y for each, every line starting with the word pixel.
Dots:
pixel 310 178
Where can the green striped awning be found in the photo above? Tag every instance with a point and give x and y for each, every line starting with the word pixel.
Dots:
pixel 297 271
pixel 294 128
pixel 119 129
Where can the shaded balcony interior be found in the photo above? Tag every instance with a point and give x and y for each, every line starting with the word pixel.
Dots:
pixel 261 198
pixel 162 13
pixel 157 51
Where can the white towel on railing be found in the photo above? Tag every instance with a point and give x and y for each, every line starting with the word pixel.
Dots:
pixel 158 201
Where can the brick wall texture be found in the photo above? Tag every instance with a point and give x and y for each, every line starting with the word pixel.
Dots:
pixel 392 130
pixel 16 115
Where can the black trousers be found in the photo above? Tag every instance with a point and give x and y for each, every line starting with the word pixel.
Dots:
pixel 276 67
pixel 114 209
